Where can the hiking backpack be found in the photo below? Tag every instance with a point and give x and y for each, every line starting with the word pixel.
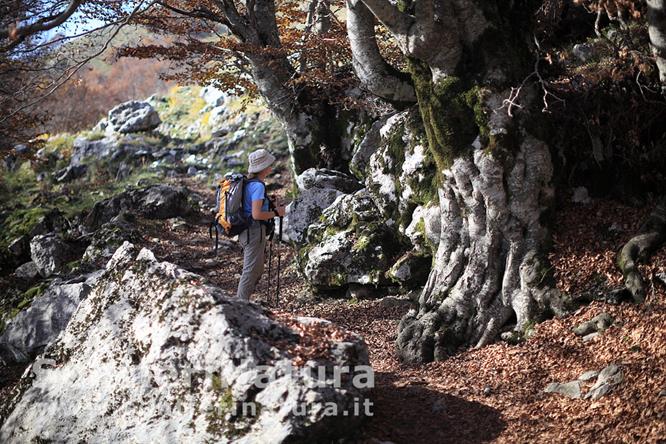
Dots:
pixel 230 218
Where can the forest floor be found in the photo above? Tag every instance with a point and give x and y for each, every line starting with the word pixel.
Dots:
pixel 495 393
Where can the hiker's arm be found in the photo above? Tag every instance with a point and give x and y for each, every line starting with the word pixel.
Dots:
pixel 257 214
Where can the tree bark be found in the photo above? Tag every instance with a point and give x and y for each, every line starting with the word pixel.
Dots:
pixel 377 76
pixel 490 273
pixel 656 18
pixel 651 236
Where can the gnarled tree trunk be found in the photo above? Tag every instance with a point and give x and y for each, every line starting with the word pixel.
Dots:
pixel 489 272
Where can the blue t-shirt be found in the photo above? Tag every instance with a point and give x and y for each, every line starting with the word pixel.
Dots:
pixel 254 191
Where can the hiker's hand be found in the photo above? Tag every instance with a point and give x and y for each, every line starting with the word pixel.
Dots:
pixel 280 211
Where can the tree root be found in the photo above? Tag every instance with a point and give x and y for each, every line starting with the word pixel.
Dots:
pixel 651 236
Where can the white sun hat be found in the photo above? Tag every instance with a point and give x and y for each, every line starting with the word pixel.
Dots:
pixel 260 160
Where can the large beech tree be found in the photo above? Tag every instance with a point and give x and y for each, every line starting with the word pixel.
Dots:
pixel 467 59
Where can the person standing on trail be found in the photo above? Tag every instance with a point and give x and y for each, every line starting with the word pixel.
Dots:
pixel 256 209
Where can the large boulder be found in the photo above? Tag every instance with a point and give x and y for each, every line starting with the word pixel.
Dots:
pixel 35 327
pixel 349 245
pixel 317 190
pixel 132 117
pixel 152 354
pixel 49 253
pixel 154 202
pixel 348 257
pixel 361 237
pixel 372 139
pixel 84 149
pixel 111 235
pixel 213 96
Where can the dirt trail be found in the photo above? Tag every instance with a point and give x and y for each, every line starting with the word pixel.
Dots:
pixel 494 393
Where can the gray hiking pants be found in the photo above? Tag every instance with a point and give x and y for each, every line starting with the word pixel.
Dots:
pixel 253 259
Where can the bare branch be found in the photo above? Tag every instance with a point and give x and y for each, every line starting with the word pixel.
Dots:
pixel 236 23
pixel 77 67
pixel 20 33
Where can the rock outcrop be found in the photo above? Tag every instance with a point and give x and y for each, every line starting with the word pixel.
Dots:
pixel 350 245
pixel 132 117
pixel 37 326
pixel 153 355
pixel 382 235
pixel 49 253
pixel 154 202
pixel 317 190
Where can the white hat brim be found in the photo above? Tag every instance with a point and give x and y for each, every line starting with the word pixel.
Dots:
pixel 265 163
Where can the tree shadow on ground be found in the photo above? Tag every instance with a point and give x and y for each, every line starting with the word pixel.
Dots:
pixel 427 416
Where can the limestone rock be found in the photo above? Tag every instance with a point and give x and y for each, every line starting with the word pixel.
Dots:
pixel 213 96
pixel 569 389
pixel 324 178
pixel 132 117
pixel 106 240
pixel 381 181
pixel 425 227
pixel 49 253
pixel 399 173
pixel 591 337
pixel 588 375
pixel 70 173
pixel 84 149
pixel 371 141
pixel 317 190
pixel 350 257
pixel 27 272
pixel 151 353
pixel 411 270
pixel 608 378
pixel 154 202
pixel 38 325
pixel 342 212
pixel 597 324
pixel 416 178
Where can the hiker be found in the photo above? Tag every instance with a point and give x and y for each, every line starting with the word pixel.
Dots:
pixel 256 208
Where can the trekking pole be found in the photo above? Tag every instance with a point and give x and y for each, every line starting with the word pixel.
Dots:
pixel 270 266
pixel 212 227
pixel 277 292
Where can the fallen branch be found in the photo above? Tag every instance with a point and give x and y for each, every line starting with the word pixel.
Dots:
pixel 651 235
